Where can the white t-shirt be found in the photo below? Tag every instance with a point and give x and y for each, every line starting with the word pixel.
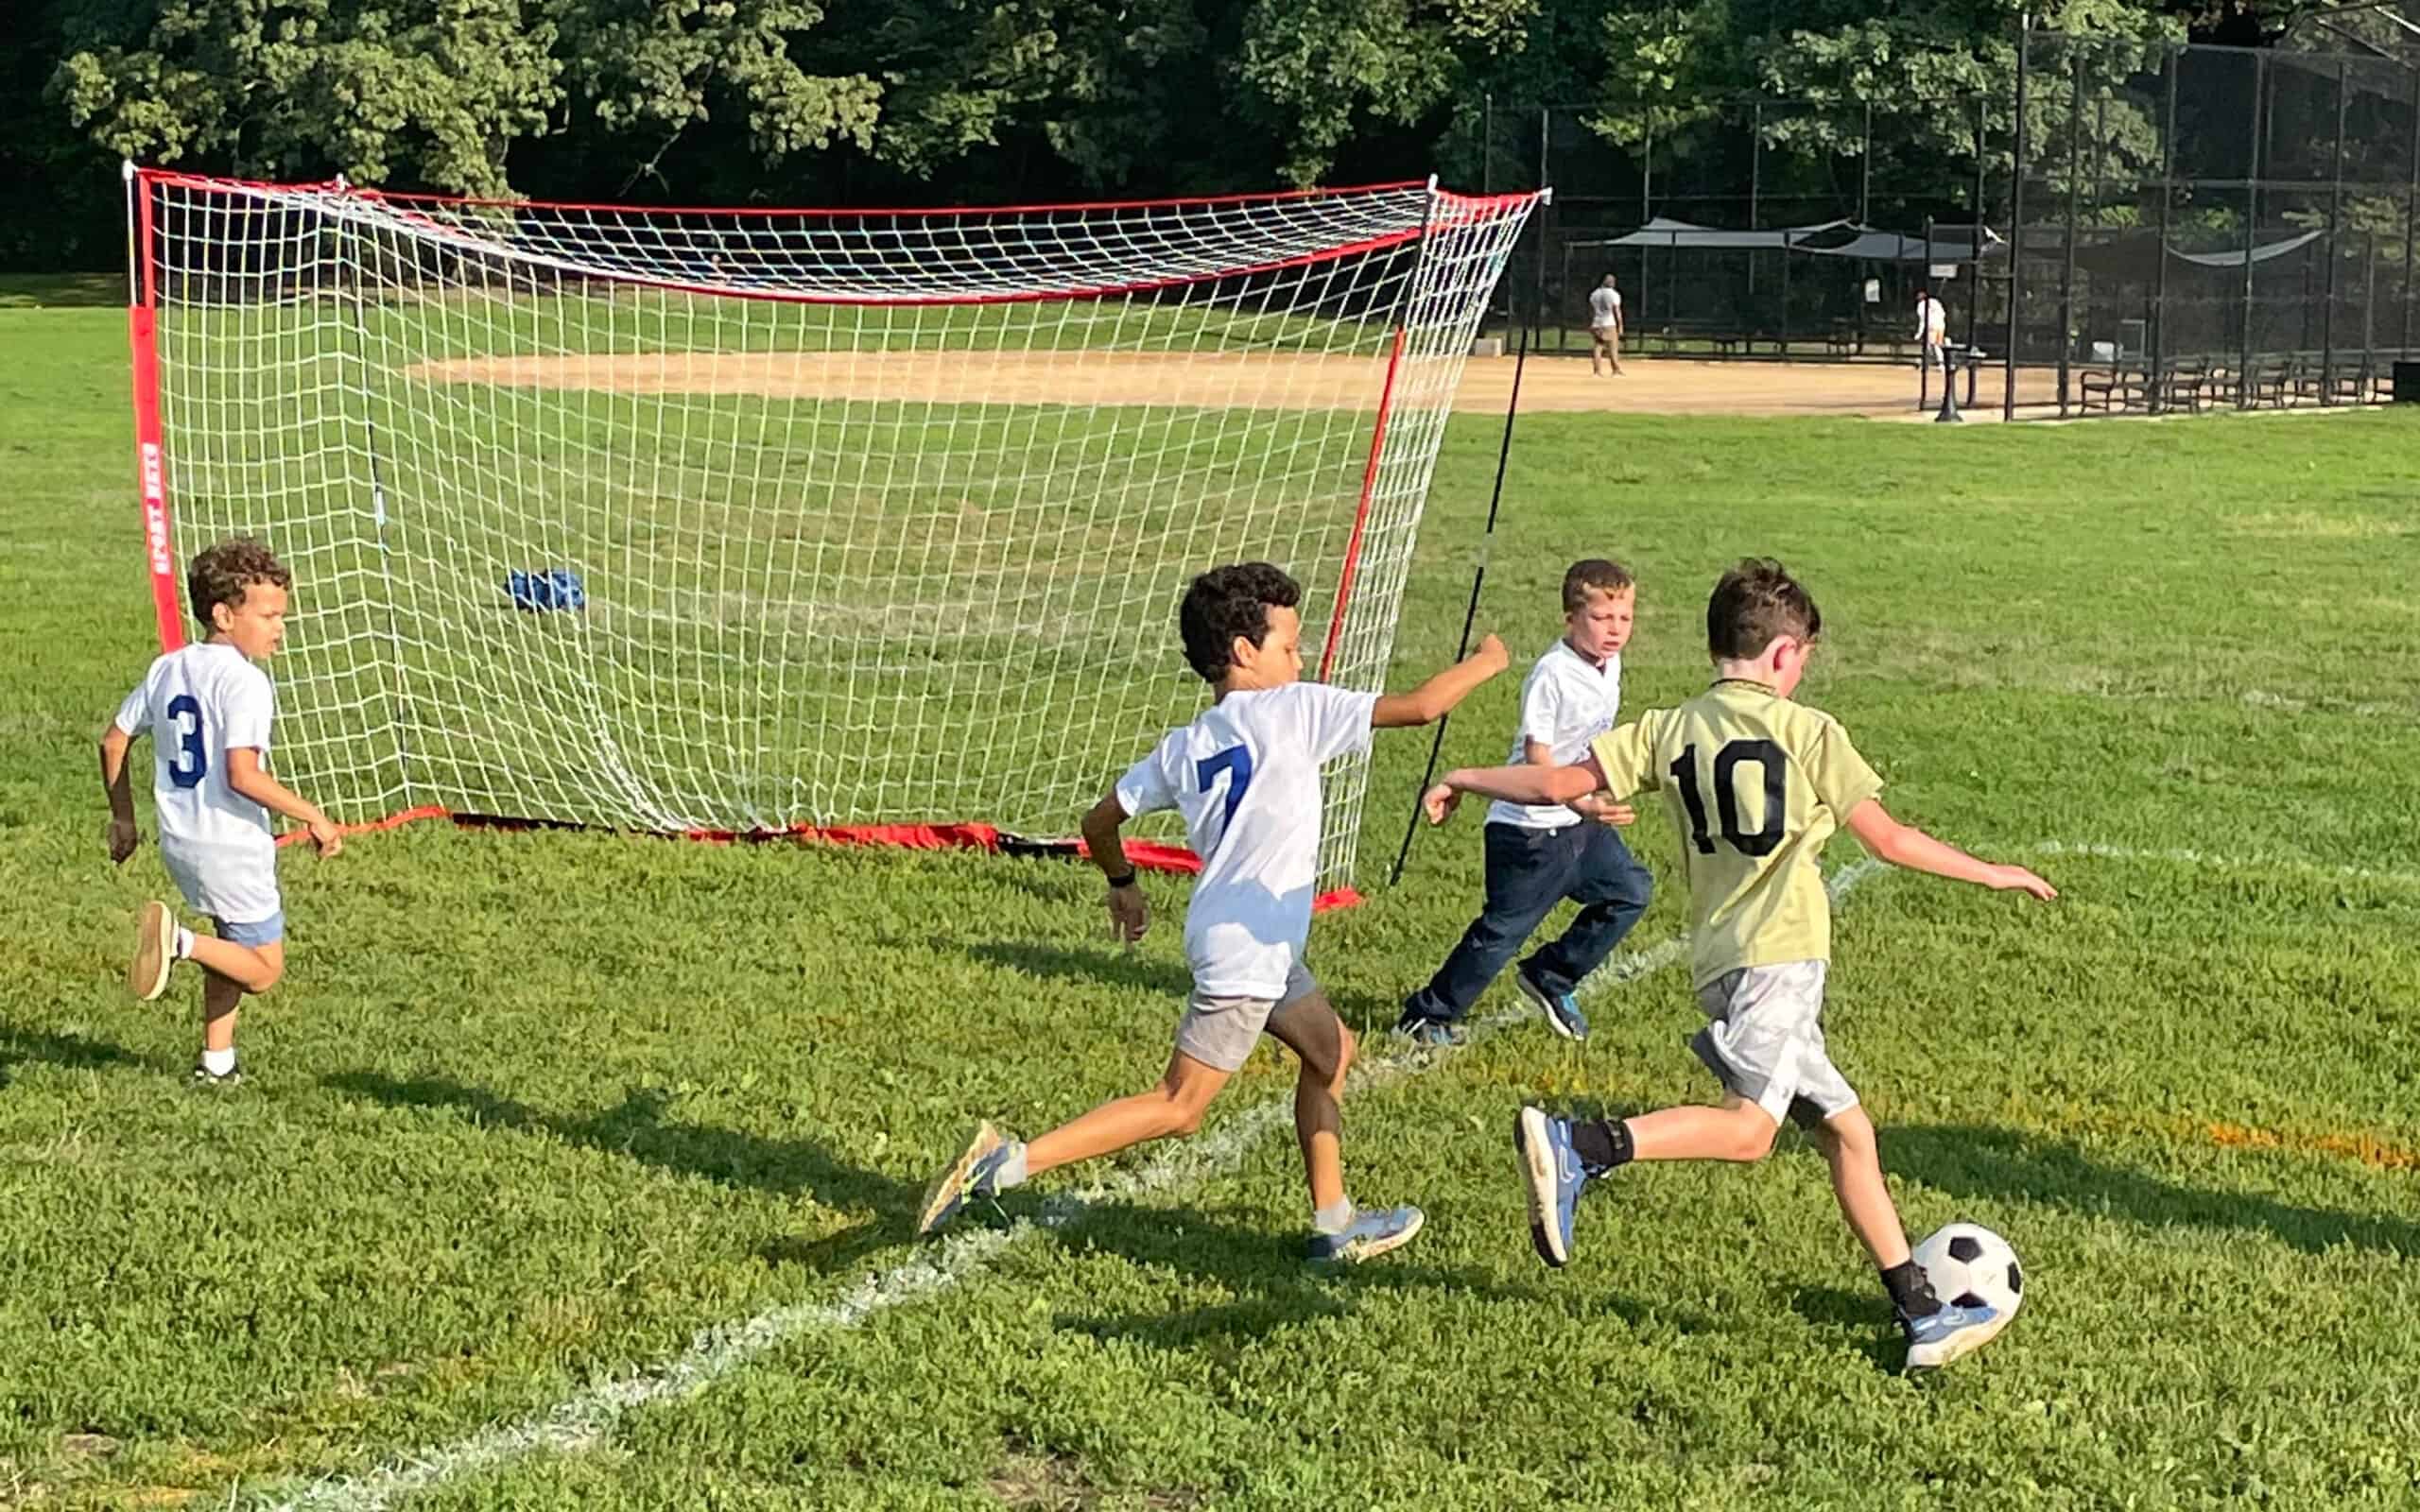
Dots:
pixel 1567 702
pixel 1604 308
pixel 1246 776
pixel 1932 321
pixel 196 704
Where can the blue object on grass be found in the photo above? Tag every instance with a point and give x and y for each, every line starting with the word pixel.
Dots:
pixel 555 588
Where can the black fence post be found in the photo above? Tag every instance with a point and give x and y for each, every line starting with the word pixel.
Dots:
pixel 2252 212
pixel 2074 212
pixel 2155 397
pixel 1865 170
pixel 2411 208
pixel 1975 264
pixel 2015 220
pixel 2335 224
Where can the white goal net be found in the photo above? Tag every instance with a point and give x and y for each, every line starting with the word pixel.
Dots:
pixel 741 521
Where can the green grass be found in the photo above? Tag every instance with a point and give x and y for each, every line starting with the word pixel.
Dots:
pixel 533 1110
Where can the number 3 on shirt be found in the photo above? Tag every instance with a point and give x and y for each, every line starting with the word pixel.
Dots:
pixel 1235 760
pixel 192 761
pixel 1768 758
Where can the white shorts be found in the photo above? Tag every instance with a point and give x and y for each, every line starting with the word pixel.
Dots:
pixel 233 884
pixel 1221 1031
pixel 1766 1041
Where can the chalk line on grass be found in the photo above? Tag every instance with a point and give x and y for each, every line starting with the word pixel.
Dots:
pixel 582 1420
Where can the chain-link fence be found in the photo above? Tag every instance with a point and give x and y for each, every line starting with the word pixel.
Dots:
pixel 2172 227
pixel 2205 225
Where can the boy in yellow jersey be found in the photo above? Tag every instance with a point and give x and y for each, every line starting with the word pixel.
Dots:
pixel 1756 784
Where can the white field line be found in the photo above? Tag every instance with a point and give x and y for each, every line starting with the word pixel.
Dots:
pixel 582 1420
pixel 2213 862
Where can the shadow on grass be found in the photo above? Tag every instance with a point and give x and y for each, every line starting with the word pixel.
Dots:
pixel 62 291
pixel 1109 966
pixel 1276 1286
pixel 636 1128
pixel 1981 1162
pixel 1863 1317
pixel 74 1052
pixel 1104 964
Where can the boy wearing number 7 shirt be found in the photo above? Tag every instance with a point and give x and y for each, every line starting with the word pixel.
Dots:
pixel 1757 783
pixel 1245 774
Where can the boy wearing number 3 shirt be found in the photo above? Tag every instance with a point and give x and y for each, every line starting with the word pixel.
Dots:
pixel 1756 784
pixel 1246 776
pixel 207 708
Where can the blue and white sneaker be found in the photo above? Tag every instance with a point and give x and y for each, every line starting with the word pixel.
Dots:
pixel 1372 1233
pixel 1950 1334
pixel 1551 1168
pixel 1561 1008
pixel 969 1175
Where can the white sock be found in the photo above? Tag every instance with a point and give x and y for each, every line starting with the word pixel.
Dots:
pixel 185 948
pixel 1335 1218
pixel 218 1062
pixel 1011 1172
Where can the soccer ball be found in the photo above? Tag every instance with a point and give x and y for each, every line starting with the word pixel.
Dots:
pixel 1968 1264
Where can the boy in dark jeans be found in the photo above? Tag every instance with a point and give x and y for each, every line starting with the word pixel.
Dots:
pixel 1539 855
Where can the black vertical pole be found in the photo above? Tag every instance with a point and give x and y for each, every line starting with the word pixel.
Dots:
pixel 1538 306
pixel 2335 223
pixel 2015 220
pixel 1486 144
pixel 1975 266
pixel 1865 171
pixel 1647 186
pixel 2153 370
pixel 2074 212
pixel 1755 187
pixel 2251 210
pixel 2410 208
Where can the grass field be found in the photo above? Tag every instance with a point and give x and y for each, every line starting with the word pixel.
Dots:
pixel 573 1170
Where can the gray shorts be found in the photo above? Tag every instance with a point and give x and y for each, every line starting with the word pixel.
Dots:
pixel 1766 1041
pixel 1220 1032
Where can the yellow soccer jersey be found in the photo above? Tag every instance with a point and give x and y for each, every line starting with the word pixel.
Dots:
pixel 1756 784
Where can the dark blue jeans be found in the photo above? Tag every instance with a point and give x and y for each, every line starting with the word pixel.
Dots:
pixel 1529 871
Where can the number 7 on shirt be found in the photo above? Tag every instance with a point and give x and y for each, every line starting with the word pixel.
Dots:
pixel 1235 760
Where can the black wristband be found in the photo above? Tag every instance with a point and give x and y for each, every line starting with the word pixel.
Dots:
pixel 1124 879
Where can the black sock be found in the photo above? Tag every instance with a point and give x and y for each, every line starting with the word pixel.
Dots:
pixel 1602 1144
pixel 1910 1292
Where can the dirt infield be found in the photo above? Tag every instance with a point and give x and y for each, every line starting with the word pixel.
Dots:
pixel 1258 381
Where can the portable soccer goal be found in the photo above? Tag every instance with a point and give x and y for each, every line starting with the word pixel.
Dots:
pixel 862 523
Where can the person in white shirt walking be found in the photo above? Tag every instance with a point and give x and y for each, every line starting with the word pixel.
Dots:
pixel 208 708
pixel 1605 327
pixel 1933 330
pixel 1539 855
pixel 1245 774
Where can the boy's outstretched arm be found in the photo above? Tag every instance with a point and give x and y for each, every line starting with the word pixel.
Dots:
pixel 1129 913
pixel 245 775
pixel 1534 785
pixel 1903 845
pixel 1435 699
pixel 124 834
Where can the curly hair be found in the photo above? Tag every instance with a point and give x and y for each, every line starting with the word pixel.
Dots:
pixel 223 574
pixel 1755 602
pixel 1227 602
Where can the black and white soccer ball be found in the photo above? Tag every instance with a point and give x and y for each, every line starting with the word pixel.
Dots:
pixel 1967 1263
